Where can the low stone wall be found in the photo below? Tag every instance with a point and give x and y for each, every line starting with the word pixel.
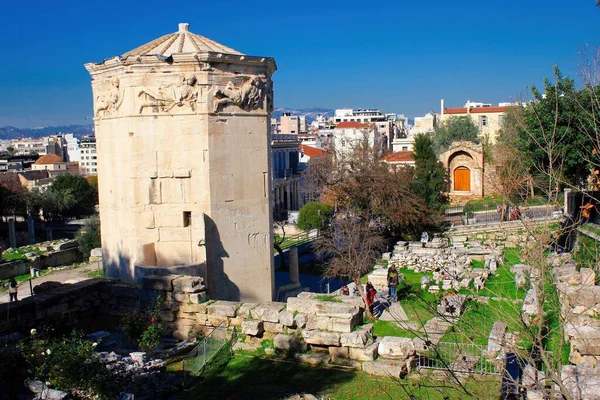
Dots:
pixel 84 305
pixel 499 234
pixel 315 330
pixel 63 254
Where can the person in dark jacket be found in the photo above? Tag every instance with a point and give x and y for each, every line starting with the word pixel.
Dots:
pixel 392 281
pixel 12 289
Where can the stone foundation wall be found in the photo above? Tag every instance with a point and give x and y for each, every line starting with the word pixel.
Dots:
pixel 61 254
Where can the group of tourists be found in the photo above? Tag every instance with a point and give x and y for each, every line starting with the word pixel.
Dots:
pixel 393 280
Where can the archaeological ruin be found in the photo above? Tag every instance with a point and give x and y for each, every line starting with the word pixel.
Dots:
pixel 182 127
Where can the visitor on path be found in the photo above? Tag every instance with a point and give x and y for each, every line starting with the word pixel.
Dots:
pixel 344 291
pixel 12 289
pixel 370 295
pixel 392 281
pixel 424 238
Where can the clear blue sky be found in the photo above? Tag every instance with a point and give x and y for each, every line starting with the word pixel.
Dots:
pixel 399 56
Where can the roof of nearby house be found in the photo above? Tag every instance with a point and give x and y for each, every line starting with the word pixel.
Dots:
pixel 351 125
pixel 35 175
pixel 476 110
pixel 182 41
pixel 49 159
pixel 10 180
pixel 312 152
pixel 399 156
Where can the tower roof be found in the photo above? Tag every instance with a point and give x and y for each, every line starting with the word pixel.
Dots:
pixel 182 41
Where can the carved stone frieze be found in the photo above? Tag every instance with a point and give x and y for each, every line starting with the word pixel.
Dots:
pixel 168 94
pixel 108 98
pixel 246 92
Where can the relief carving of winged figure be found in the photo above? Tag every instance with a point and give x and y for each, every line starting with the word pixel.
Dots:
pixel 168 95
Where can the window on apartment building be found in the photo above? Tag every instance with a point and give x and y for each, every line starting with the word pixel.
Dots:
pixel 483 121
pixel 404 148
pixel 187 219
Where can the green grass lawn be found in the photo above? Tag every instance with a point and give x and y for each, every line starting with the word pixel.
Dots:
pixel 390 328
pixel 490 202
pixel 250 377
pixel 476 321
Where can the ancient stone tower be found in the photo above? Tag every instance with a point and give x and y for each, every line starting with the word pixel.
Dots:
pixel 182 129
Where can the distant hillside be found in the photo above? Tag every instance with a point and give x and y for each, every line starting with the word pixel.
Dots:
pixel 310 113
pixel 11 132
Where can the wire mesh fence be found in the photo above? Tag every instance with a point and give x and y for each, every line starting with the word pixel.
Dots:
pixel 206 351
pixel 461 358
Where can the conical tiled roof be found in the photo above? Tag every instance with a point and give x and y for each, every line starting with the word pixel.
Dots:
pixel 182 41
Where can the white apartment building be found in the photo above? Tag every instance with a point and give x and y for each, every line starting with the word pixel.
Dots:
pixel 383 122
pixel 347 135
pixel 87 156
pixel 72 144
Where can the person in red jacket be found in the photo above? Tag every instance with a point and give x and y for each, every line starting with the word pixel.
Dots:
pixel 370 295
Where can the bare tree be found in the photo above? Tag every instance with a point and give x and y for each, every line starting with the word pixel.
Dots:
pixel 351 245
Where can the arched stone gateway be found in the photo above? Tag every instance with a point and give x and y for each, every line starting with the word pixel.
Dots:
pixel 464 161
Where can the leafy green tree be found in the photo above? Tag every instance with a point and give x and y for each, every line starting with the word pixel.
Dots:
pixel 555 134
pixel 314 216
pixel 430 178
pixel 70 196
pixel 455 129
pixel 88 236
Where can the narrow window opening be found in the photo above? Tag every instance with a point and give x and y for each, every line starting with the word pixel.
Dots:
pixel 187 219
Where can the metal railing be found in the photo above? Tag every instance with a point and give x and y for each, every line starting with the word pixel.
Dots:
pixel 200 357
pixel 460 358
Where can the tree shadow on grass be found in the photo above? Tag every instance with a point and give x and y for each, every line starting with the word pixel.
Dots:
pixel 250 377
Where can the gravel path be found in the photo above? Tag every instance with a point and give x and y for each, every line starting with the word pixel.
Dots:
pixel 73 275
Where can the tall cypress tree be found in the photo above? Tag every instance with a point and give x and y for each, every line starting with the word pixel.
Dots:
pixel 431 180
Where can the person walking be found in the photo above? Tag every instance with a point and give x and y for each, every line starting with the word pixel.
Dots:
pixel 371 292
pixel 392 281
pixel 12 289
pixel 424 238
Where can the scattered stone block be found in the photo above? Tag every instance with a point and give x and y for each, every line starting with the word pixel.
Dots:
pixel 244 310
pixel 392 369
pixel 313 358
pixel 338 353
pixel 300 320
pixel 223 308
pixel 273 327
pixel 396 348
pixel 288 343
pixel 368 353
pixel 252 327
pixel 268 312
pixel 321 337
pixel 588 277
pixel 286 318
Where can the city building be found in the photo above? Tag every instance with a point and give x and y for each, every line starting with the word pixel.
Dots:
pixel 16 163
pixel 488 118
pixel 286 174
pixel 50 162
pixel 289 124
pixel 72 144
pixel 382 122
pixel 183 162
pixel 307 153
pixel 348 135
pixel 400 158
pixel 405 140
pixel 87 156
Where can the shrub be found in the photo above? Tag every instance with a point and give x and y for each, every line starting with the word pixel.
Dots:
pixel 88 237
pixel 144 328
pixel 314 216
pixel 69 364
